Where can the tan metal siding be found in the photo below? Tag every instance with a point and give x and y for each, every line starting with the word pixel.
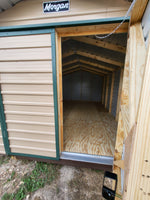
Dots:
pixel 30 12
pixel 2 150
pixel 27 91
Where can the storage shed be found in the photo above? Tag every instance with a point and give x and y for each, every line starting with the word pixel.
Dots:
pixel 70 93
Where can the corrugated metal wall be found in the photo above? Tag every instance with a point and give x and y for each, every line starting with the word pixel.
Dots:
pixel 82 86
pixel 115 92
pixel 109 90
pixel 27 92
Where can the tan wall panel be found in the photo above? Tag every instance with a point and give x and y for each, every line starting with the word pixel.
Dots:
pixel 1 140
pixel 33 151
pixel 30 12
pixel 25 54
pixel 27 92
pixel 41 144
pixel 27 66
pixel 31 127
pixel 28 98
pixel 36 109
pixel 43 40
pixel 30 118
pixel 27 87
pixel 34 136
pixel 2 150
pixel 26 76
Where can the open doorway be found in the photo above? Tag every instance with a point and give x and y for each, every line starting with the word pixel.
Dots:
pixel 92 71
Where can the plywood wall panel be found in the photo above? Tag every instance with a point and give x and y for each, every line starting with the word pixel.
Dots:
pixel 30 12
pixel 27 92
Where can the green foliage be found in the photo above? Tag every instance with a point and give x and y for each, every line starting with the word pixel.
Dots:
pixel 7 196
pixel 42 174
pixel 12 176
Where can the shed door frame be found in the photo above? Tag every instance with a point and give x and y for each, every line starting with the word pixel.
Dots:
pixel 2 115
pixel 83 30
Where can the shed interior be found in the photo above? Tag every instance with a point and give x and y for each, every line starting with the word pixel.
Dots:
pixel 92 71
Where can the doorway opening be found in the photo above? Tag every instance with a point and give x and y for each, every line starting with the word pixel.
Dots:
pixel 92 73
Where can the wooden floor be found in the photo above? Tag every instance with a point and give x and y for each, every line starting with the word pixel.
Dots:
pixel 88 128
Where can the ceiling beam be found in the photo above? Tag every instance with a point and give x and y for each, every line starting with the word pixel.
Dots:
pixel 93 69
pixel 96 57
pixel 85 66
pixel 91 30
pixel 89 63
pixel 97 65
pixel 84 69
pixel 138 11
pixel 71 71
pixel 100 43
pixel 69 68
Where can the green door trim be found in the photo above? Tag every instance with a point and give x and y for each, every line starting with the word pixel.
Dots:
pixel 3 122
pixel 4 127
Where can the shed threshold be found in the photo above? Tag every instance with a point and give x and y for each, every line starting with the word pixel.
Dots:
pixel 104 160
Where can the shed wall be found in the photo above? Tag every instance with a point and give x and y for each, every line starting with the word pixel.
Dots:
pixel 115 93
pixel 27 92
pixel 2 150
pixel 31 12
pixel 82 86
pixel 109 90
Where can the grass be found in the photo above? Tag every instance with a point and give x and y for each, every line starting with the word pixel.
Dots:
pixel 42 174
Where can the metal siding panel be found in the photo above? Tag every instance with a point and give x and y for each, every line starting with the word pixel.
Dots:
pixel 86 86
pixel 109 90
pixel 76 86
pixel 30 99
pixel 82 86
pixel 146 23
pixel 115 93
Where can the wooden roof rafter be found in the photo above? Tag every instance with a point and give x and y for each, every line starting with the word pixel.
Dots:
pixel 94 64
pixel 85 66
pixel 93 56
pixel 83 69
pixel 98 43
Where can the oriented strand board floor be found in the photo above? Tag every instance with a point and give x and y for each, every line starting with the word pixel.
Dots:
pixel 88 128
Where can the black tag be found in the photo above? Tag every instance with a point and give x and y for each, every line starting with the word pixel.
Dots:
pixel 56 6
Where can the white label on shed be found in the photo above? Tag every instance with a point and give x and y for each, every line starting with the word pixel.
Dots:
pixel 56 6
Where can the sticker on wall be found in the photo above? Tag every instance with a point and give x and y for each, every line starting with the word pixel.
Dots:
pixel 56 6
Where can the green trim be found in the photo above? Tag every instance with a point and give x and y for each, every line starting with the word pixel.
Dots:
pixel 62 24
pixel 25 32
pixel 55 91
pixel 34 156
pixel 4 126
